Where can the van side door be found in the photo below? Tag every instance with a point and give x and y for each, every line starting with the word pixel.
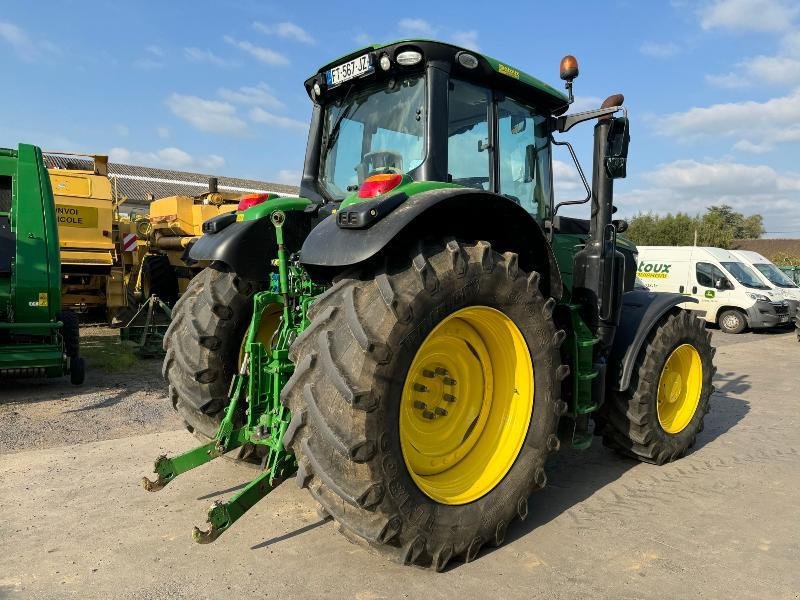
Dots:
pixel 713 288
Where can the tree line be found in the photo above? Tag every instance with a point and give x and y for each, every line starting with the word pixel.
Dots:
pixel 717 227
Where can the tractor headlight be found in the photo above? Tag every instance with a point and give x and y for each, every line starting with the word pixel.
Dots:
pixel 758 297
pixel 385 62
pixel 409 57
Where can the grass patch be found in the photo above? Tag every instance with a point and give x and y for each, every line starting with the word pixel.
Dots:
pixel 108 353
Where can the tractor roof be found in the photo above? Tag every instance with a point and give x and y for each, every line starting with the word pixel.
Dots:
pixel 490 72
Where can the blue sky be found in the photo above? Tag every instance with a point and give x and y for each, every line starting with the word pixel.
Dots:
pixel 713 87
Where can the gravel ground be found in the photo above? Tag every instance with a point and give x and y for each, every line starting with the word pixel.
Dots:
pixel 720 523
pixel 46 413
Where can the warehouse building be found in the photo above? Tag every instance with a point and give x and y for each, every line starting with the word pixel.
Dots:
pixel 141 185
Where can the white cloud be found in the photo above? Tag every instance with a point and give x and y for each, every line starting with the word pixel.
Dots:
pixel 207 115
pixel 285 30
pixel 265 55
pixel 730 81
pixel 155 50
pixel 163 132
pixel 772 69
pixel 659 50
pixel 691 186
pixel 752 148
pixel 567 182
pixel 122 130
pixel 287 177
pixel 259 115
pixel 199 55
pixel 363 39
pixel 258 95
pixel 748 15
pixel 762 123
pixel 22 44
pixel 416 27
pixel 166 158
pixel 466 39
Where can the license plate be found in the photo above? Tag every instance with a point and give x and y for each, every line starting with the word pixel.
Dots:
pixel 350 70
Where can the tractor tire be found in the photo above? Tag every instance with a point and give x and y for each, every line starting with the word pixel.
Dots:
pixel 159 278
pixel 202 346
pixel 356 365
pixel 77 370
pixel 732 321
pixel 657 419
pixel 70 331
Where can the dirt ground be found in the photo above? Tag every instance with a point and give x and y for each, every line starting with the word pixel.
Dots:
pixel 74 523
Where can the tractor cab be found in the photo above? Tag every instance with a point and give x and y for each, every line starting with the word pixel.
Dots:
pixel 420 111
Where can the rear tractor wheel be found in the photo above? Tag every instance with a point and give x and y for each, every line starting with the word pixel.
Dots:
pixel 425 401
pixel 658 417
pixel 204 346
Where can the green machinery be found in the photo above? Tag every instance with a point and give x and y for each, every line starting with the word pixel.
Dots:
pixel 36 337
pixel 420 330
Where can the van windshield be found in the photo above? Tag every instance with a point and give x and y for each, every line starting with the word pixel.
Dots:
pixel 775 275
pixel 744 275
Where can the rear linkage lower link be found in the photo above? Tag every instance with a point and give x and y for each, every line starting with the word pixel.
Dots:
pixel 260 379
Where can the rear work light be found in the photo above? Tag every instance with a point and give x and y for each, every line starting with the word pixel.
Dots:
pixel 375 185
pixel 253 199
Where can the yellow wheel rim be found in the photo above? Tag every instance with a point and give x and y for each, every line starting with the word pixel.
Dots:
pixel 466 405
pixel 679 388
pixel 270 319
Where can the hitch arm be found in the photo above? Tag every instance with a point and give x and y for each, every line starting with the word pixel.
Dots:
pixel 168 469
pixel 222 515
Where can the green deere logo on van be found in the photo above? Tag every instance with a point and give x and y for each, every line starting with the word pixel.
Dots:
pixel 653 270
pixel 710 293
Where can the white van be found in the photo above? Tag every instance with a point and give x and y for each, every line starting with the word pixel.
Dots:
pixel 772 276
pixel 729 292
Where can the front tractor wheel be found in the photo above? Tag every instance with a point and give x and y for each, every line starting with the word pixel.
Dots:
pixel 658 417
pixel 425 401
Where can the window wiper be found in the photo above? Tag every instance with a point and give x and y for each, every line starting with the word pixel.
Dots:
pixel 334 133
pixel 336 127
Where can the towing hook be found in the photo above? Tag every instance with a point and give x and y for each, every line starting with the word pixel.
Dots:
pixel 165 473
pixel 153 486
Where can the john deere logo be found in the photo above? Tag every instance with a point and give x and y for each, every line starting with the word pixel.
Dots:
pixel 653 270
pixel 710 293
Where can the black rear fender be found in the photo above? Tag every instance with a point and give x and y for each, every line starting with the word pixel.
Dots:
pixel 438 214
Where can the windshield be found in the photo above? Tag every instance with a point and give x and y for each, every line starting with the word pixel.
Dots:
pixel 774 275
pixel 372 131
pixel 744 275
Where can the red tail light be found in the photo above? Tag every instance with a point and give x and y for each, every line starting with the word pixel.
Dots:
pixel 253 199
pixel 376 185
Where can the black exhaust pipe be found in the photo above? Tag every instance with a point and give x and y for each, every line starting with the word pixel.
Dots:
pixel 598 267
pixel 213 186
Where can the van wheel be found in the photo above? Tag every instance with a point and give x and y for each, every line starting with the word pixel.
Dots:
pixel 732 321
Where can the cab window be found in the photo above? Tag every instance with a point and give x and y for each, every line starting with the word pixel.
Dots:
pixel 708 275
pixel 468 154
pixel 524 157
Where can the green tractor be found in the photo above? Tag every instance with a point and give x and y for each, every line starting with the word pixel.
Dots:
pixel 417 333
pixel 37 339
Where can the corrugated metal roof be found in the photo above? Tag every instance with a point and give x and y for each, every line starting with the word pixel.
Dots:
pixel 143 184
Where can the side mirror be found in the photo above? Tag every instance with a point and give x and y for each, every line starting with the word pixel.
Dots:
pixel 619 138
